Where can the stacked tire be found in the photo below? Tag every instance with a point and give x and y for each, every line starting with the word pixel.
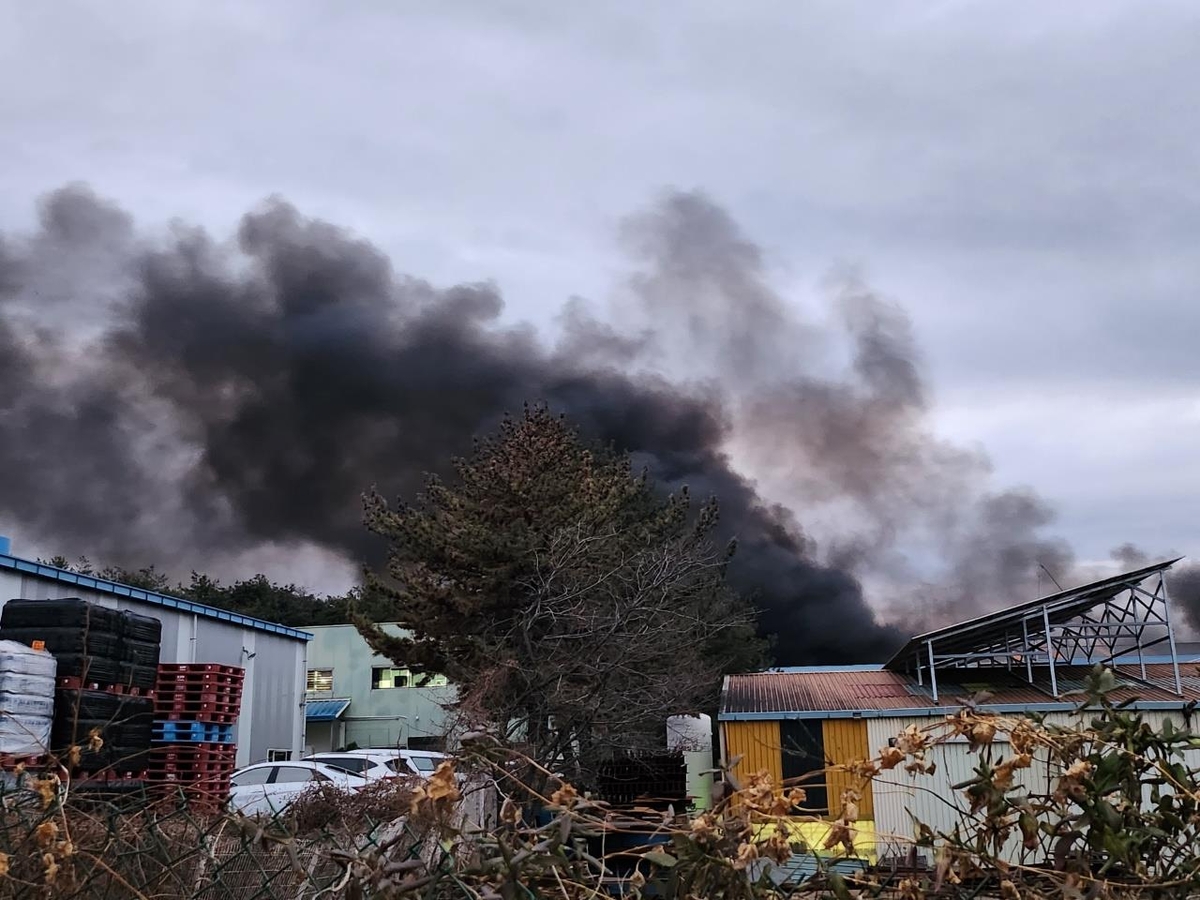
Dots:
pixel 107 663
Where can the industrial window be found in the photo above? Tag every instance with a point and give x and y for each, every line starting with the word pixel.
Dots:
pixel 279 755
pixel 383 677
pixel 319 680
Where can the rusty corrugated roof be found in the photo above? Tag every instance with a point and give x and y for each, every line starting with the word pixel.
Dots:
pixel 800 692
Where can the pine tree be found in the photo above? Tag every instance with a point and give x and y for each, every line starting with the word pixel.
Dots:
pixel 573 604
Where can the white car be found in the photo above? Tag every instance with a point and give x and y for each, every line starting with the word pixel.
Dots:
pixel 382 763
pixel 268 788
pixel 385 764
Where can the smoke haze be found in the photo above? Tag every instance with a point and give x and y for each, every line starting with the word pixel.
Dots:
pixel 208 403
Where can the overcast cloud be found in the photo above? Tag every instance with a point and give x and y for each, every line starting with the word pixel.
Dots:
pixel 1021 177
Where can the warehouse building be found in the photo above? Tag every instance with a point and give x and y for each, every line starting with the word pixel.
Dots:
pixel 1033 657
pixel 271 724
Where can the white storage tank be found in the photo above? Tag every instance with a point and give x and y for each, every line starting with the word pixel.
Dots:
pixel 26 699
pixel 692 736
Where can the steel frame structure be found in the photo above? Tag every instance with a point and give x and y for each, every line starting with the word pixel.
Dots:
pixel 1122 616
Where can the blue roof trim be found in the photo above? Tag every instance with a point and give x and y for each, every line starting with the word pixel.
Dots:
pixel 805 670
pixel 1126 658
pixel 324 710
pixel 116 589
pixel 919 711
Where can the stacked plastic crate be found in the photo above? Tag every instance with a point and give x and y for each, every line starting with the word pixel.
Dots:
pixel 107 663
pixel 196 706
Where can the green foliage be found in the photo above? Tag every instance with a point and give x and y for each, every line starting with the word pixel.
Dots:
pixel 568 600
pixel 258 597
pixel 1121 817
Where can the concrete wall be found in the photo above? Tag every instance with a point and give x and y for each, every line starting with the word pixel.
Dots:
pixel 375 718
pixel 272 713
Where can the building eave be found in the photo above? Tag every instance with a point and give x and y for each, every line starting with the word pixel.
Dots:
pixel 940 711
pixel 116 589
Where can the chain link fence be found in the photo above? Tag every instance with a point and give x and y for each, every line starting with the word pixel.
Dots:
pixel 110 842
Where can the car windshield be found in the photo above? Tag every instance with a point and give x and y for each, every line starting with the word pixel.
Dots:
pixel 423 763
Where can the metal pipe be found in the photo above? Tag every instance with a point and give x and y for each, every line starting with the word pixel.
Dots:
pixel 1028 653
pixel 932 671
pixel 1166 602
pixel 1050 652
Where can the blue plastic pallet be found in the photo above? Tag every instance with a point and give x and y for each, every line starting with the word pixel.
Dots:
pixel 175 731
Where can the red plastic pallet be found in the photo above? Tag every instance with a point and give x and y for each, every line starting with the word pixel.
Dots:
pixel 182 756
pixel 209 795
pixel 218 677
pixel 73 683
pixel 198 668
pixel 192 769
pixel 164 700
pixel 209 682
pixel 193 752
pixel 192 776
pixel 167 701
pixel 209 714
pixel 101 776
pixel 209 700
pixel 208 717
pixel 12 761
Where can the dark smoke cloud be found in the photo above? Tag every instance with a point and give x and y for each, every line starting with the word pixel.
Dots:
pixel 1183 580
pixel 180 399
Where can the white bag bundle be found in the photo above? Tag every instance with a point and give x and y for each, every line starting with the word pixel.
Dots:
pixel 26 699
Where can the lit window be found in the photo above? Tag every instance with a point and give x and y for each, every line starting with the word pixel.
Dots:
pixel 387 677
pixel 319 680
pixel 390 677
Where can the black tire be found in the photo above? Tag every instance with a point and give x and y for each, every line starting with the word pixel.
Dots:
pixel 67 641
pixel 70 612
pixel 88 668
pixel 138 627
pixel 132 675
pixel 86 705
pixel 140 653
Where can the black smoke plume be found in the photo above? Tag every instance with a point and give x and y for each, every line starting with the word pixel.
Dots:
pixel 185 400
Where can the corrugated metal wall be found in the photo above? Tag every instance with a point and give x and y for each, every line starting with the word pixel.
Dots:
pixel 758 745
pixel 931 798
pixel 846 742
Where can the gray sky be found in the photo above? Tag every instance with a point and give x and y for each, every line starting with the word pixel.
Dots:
pixel 1022 177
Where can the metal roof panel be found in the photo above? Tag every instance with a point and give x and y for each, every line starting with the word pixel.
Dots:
pixel 116 589
pixel 325 710
pixel 812 693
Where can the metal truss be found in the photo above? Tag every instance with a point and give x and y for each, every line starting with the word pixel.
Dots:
pixel 1123 616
